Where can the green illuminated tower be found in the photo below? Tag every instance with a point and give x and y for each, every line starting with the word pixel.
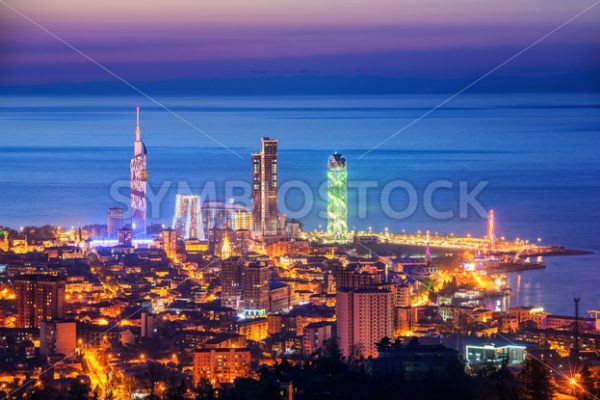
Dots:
pixel 337 197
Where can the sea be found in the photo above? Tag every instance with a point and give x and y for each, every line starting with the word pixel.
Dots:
pixel 533 158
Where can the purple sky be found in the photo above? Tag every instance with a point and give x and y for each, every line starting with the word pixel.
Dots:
pixel 236 39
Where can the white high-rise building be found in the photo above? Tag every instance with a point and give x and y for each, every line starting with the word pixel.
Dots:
pixel 139 176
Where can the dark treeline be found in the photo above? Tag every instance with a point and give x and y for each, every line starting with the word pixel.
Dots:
pixel 327 376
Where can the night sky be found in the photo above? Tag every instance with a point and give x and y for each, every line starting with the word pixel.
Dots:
pixel 269 46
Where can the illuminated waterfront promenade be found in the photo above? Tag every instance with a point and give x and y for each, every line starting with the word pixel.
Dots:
pixel 443 241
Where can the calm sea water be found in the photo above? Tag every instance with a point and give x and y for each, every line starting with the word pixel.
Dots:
pixel 539 153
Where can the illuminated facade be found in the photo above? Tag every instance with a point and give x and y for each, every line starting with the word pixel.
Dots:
pixel 169 242
pixel 231 283
pixel 187 220
pixel 363 317
pixel 226 248
pixel 337 197
pixel 4 243
pixel 255 289
pixel 139 177
pixel 58 337
pixel 220 215
pixel 264 189
pixel 491 229
pixel 493 354
pixel 221 365
pixel 38 298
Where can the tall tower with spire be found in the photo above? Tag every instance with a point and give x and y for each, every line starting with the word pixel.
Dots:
pixel 139 176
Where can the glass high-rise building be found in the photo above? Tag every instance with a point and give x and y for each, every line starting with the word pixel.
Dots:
pixel 221 215
pixel 337 196
pixel 255 289
pixel 115 222
pixel 264 189
pixel 231 282
pixel 187 221
pixel 139 177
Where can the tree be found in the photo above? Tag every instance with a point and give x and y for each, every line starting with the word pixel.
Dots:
pixel 587 384
pixel 329 361
pixel 78 391
pixel 155 372
pixel 534 381
pixel 384 344
pixel 176 391
pixel 204 390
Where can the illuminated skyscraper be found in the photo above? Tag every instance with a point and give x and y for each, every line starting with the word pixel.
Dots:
pixel 337 196
pixel 264 189
pixel 139 176
pixel 188 217
pixel 115 222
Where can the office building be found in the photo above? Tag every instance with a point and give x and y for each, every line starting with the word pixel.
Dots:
pixel 39 298
pixel 231 282
pixel 479 353
pixel 169 242
pixel 115 222
pixel 58 337
pixel 364 317
pixel 229 215
pixel 148 324
pixel 255 329
pixel 187 221
pixel 255 289
pixel 337 197
pixel 139 176
pixel 280 297
pixel 403 291
pixel 264 189
pixel 218 238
